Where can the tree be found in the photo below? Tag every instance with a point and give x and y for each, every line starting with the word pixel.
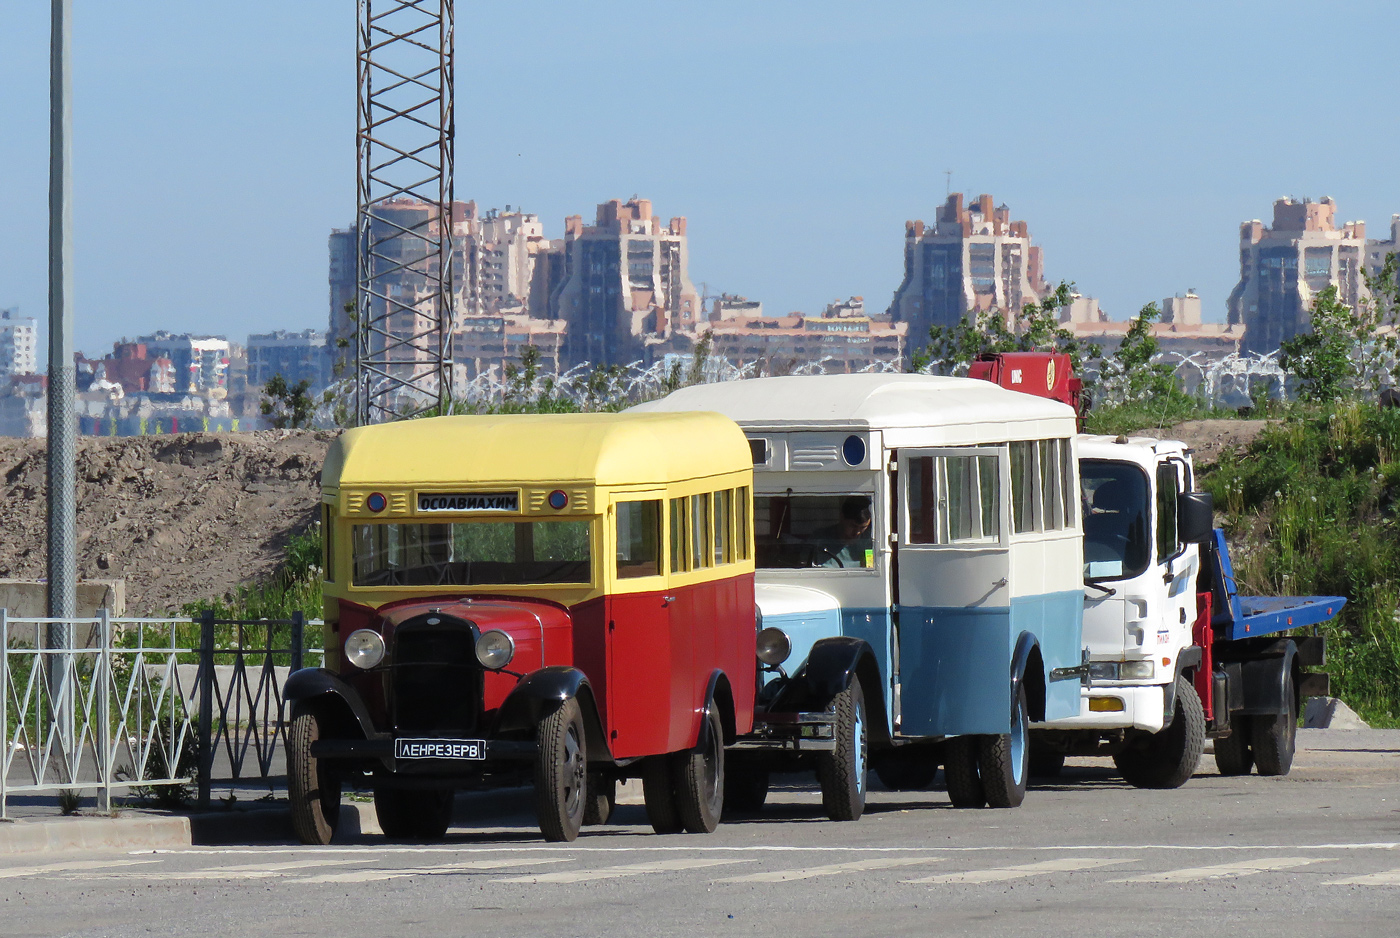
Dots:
pixel 288 406
pixel 1037 328
pixel 1131 375
pixel 1337 356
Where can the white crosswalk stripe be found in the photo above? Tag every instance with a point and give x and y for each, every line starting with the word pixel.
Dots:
pixel 379 875
pixel 1021 871
pixel 613 872
pixel 833 869
pixel 71 866
pixel 1385 878
pixel 1225 870
pixel 253 870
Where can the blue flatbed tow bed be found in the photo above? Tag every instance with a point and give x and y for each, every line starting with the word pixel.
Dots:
pixel 1251 616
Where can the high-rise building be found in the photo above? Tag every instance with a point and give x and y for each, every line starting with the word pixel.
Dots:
pixel 1378 251
pixel 17 344
pixel 626 289
pixel 296 356
pixel 1284 267
pixel 974 258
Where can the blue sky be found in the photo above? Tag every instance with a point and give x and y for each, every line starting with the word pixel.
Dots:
pixel 214 143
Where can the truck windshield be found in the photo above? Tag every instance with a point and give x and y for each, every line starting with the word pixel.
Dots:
pixel 1117 542
pixel 472 553
pixel 813 531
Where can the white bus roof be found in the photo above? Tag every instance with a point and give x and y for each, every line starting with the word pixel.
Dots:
pixel 878 402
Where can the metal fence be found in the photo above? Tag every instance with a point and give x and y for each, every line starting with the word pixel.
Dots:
pixel 122 704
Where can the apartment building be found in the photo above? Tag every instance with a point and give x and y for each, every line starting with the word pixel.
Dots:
pixel 296 356
pixel 18 338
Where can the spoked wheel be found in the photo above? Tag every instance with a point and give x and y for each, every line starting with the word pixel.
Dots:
pixel 960 772
pixel 745 787
pixel 699 778
pixel 842 772
pixel 1233 755
pixel 561 773
pixel 1166 759
pixel 1003 762
pixel 908 768
pixel 413 815
pixel 602 799
pixel 312 789
pixel 1272 738
pixel 659 793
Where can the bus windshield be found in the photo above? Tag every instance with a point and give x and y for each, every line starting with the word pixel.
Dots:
pixel 472 553
pixel 813 531
pixel 1116 534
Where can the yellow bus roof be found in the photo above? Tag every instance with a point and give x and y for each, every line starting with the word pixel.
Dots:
pixel 602 449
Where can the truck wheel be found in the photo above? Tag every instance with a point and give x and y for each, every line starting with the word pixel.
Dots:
pixel 1166 759
pixel 1273 738
pixel 561 773
pixel 745 788
pixel 413 815
pixel 908 768
pixel 699 778
pixel 313 790
pixel 601 799
pixel 960 773
pixel 1003 762
pixel 1232 753
pixel 843 771
pixel 659 793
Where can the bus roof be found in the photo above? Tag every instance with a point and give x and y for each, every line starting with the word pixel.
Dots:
pixel 602 449
pixel 875 401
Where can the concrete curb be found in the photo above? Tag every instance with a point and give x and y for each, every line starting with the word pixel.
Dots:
pixel 93 834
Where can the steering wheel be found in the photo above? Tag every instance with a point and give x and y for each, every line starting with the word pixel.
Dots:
pixel 814 549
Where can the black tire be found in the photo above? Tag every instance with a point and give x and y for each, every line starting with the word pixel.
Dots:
pixel 745 788
pixel 1233 755
pixel 1045 762
pixel 602 799
pixel 699 778
pixel 314 792
pixel 843 772
pixel 1168 758
pixel 413 814
pixel 1274 738
pixel 561 773
pixel 960 773
pixel 659 793
pixel 908 768
pixel 1004 761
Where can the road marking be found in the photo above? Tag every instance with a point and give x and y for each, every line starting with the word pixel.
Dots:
pixel 70 866
pixel 379 875
pixel 1387 878
pixel 254 870
pixel 833 869
pixel 1224 870
pixel 614 872
pixel 1003 873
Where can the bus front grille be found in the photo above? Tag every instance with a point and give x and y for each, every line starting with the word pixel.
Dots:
pixel 437 682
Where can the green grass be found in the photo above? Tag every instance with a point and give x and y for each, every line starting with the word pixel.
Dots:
pixel 1158 413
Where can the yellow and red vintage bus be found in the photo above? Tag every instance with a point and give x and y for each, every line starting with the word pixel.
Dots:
pixel 563 598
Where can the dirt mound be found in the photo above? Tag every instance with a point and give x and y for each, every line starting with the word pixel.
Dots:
pixel 1210 438
pixel 181 518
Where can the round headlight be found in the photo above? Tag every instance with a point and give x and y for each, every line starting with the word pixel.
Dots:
pixel 364 648
pixel 774 646
pixel 495 649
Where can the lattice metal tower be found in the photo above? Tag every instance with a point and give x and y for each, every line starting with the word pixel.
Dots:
pixel 404 217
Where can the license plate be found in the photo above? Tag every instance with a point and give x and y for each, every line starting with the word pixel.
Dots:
pixel 440 749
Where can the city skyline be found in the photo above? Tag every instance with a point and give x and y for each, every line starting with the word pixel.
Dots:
pixel 836 128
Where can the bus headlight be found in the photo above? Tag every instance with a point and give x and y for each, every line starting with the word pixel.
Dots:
pixel 774 646
pixel 364 648
pixel 495 649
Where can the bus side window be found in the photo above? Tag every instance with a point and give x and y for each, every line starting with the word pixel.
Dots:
pixel 1051 487
pixel 699 528
pixel 1023 480
pixel 328 543
pixel 1167 544
pixel 723 510
pixel 680 509
pixel 638 539
pixel 1067 484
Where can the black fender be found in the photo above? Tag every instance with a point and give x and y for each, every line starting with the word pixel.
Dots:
pixel 1266 682
pixel 543 692
pixel 1028 668
pixel 829 668
pixel 342 702
pixel 1189 658
pixel 719 694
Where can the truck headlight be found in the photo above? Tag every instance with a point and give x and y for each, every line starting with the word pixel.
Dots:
pixel 364 648
pixel 1103 670
pixel 774 646
pixel 1138 670
pixel 495 649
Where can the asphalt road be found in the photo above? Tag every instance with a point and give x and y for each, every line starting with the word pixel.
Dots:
pixel 1317 852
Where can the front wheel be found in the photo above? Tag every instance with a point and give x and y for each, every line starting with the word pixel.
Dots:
pixel 413 815
pixel 313 790
pixel 561 773
pixel 842 772
pixel 1273 738
pixel 1003 761
pixel 699 778
pixel 1166 759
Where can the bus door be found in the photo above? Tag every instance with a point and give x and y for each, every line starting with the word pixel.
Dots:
pixel 639 634
pixel 953 568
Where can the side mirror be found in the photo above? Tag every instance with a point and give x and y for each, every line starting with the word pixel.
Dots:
pixel 1195 516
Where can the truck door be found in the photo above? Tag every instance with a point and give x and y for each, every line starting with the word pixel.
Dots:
pixel 953 570
pixel 1177 565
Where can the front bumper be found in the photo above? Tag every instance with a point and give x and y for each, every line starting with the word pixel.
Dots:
pixel 791 732
pixel 1143 706
pixel 500 754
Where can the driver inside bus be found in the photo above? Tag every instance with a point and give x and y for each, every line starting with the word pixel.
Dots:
pixel 849 542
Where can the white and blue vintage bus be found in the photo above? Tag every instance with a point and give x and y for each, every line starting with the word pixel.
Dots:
pixel 920 581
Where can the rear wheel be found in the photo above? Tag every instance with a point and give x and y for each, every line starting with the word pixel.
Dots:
pixel 659 793
pixel 312 789
pixel 745 787
pixel 960 773
pixel 699 777
pixel 1166 759
pixel 1233 755
pixel 908 768
pixel 1045 762
pixel 602 799
pixel 1003 762
pixel 1273 738
pixel 561 773
pixel 413 815
pixel 842 772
